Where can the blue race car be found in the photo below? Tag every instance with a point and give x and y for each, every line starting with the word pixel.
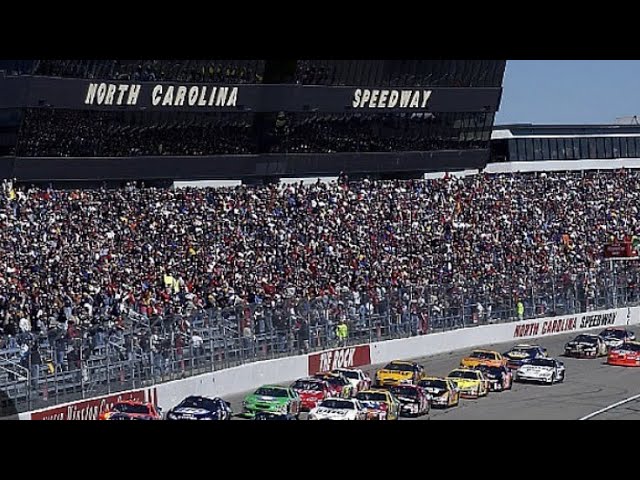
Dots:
pixel 201 408
pixel 523 353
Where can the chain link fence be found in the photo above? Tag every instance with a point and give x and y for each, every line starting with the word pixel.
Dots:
pixel 43 370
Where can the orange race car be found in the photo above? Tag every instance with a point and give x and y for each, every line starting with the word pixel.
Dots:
pixel 489 358
pixel 131 410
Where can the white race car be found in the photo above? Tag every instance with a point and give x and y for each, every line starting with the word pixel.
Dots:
pixel 358 379
pixel 338 409
pixel 544 370
pixel 614 337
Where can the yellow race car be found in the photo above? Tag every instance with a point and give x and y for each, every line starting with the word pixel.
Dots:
pixel 399 372
pixel 471 383
pixel 379 404
pixel 443 392
pixel 489 358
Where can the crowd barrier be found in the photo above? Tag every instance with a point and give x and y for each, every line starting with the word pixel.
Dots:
pixel 236 380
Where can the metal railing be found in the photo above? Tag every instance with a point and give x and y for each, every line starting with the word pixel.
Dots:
pixel 146 351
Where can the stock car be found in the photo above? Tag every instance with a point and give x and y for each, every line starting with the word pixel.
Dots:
pixel 414 400
pixel 379 404
pixel 338 409
pixel 272 399
pixel 358 378
pixel 522 353
pixel 626 355
pixel 399 372
pixel 131 410
pixel 443 392
pixel 471 383
pixel 545 370
pixel 339 385
pixel 500 378
pixel 311 391
pixel 483 357
pixel 615 336
pixel 201 408
pixel 586 345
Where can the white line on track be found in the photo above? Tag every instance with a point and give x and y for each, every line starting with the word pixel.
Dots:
pixel 610 407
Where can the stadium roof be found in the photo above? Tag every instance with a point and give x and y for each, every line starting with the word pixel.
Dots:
pixel 523 130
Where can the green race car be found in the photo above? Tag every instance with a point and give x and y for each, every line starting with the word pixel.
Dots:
pixel 273 399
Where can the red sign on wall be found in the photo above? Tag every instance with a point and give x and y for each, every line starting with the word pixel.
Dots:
pixel 346 357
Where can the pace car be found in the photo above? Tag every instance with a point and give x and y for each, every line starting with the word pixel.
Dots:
pixel 615 336
pixel 500 378
pixel 399 372
pixel 472 383
pixel 443 392
pixel 273 399
pixel 626 355
pixel 131 410
pixel 379 404
pixel 338 409
pixel 358 378
pixel 544 370
pixel 521 354
pixel 339 385
pixel 201 408
pixel 414 400
pixel 483 357
pixel 586 345
pixel 311 391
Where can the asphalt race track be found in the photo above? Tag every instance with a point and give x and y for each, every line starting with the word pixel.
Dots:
pixel 590 385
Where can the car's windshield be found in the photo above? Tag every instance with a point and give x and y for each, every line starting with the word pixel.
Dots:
pixel 307 385
pixel 441 384
pixel 613 332
pixel 483 355
pixel 337 403
pixel 335 380
pixel 490 370
pixel 401 367
pixel 372 396
pixel 633 347
pixel 529 351
pixel 271 392
pixel 198 402
pixel 586 339
pixel 350 374
pixel 464 374
pixel 130 408
pixel 542 362
pixel 405 392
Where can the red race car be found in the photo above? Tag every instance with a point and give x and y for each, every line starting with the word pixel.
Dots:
pixel 311 391
pixel 339 384
pixel 131 410
pixel 626 355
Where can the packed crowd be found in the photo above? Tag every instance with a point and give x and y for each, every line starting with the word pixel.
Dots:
pixel 77 260
pixel 327 133
pixel 215 71
pixel 76 133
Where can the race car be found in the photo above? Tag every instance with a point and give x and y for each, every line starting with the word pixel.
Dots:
pixel 399 372
pixel 483 357
pixel 338 409
pixel 311 391
pixel 500 378
pixel 614 336
pixel 443 392
pixel 201 408
pixel 379 404
pixel 521 354
pixel 586 345
pixel 339 385
pixel 414 401
pixel 545 370
pixel 626 355
pixel 273 399
pixel 358 378
pixel 273 416
pixel 131 410
pixel 471 383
